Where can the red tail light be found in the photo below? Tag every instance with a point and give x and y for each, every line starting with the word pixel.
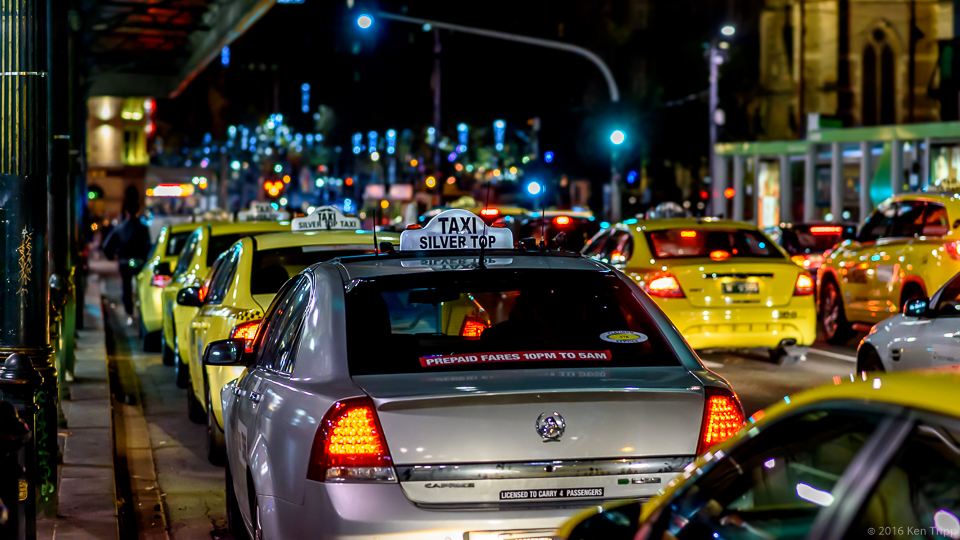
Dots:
pixel 160 281
pixel 722 418
pixel 953 250
pixel 472 327
pixel 489 212
pixel 826 229
pixel 247 332
pixel 561 220
pixel 719 255
pixel 663 286
pixel 349 445
pixel 804 285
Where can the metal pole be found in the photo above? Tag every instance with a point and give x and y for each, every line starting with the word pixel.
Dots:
pixel 896 166
pixel 925 164
pixel 719 198
pixel 836 182
pixel 786 190
pixel 436 110
pixel 714 102
pixel 809 184
pixel 738 188
pixel 866 163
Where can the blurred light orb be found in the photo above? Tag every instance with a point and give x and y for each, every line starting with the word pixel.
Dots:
pixel 365 21
pixel 534 188
pixel 617 137
pixel 728 30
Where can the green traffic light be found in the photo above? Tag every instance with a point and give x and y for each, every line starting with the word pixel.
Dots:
pixel 91 195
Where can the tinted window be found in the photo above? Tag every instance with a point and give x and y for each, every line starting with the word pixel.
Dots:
pixel 498 319
pixel 714 243
pixel 183 262
pixel 878 224
pixel 948 299
pixel 578 231
pixel 271 268
pixel 219 244
pixel 176 242
pixel 276 347
pixel 919 494
pixel 220 280
pixel 774 484
pixel 595 246
pixel 935 221
pixel 909 220
pixel 814 238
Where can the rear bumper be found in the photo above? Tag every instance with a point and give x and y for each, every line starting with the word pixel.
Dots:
pixel 382 511
pixel 743 327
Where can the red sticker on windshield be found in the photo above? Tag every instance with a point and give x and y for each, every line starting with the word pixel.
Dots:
pixel 524 356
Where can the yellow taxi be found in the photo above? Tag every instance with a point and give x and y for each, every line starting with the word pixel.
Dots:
pixel 153 277
pixel 907 249
pixel 240 287
pixel 865 458
pixel 722 283
pixel 199 252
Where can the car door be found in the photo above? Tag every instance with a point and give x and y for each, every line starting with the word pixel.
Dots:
pixel 249 391
pixel 857 264
pixel 214 289
pixel 918 494
pixel 942 336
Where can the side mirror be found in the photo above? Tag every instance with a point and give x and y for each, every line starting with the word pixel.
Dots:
pixel 190 297
pixel 224 352
pixel 917 308
pixel 162 269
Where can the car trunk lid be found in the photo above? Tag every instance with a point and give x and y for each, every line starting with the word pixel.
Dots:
pixel 764 282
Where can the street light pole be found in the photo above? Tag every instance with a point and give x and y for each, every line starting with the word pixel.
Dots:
pixel 717 196
pixel 547 43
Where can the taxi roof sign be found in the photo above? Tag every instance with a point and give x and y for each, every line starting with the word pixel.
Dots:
pixel 326 218
pixel 262 211
pixel 456 229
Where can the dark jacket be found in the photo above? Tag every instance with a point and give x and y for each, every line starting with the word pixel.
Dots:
pixel 128 241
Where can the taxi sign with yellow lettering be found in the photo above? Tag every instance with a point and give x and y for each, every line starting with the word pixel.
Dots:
pixel 326 218
pixel 456 229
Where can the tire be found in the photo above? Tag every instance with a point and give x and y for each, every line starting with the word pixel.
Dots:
pixel 780 357
pixel 216 442
pixel 168 355
pixel 194 409
pixel 235 524
pixel 182 370
pixel 836 329
pixel 869 360
pixel 151 340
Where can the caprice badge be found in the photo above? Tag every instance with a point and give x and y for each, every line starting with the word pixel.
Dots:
pixel 550 426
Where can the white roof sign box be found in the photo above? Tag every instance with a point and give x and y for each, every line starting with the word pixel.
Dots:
pixel 325 218
pixel 456 229
pixel 262 211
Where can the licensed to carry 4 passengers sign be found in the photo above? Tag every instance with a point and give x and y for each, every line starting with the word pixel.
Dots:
pixel 325 218
pixel 563 493
pixel 456 229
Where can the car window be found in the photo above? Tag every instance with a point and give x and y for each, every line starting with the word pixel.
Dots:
pixel 909 220
pixel 878 224
pixel 208 281
pixel 918 496
pixel 276 349
pixel 718 244
pixel 183 262
pixel 176 242
pixel 935 221
pixel 946 302
pixel 499 320
pixel 774 484
pixel 595 246
pixel 220 280
pixel 271 268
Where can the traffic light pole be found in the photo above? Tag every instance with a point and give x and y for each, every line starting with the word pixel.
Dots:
pixel 538 42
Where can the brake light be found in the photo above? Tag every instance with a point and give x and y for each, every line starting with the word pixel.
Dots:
pixel 472 327
pixel 349 445
pixel 204 289
pixel 561 220
pixel 664 286
pixel 489 212
pixel 688 234
pixel 247 332
pixel 719 255
pixel 722 418
pixel 953 250
pixel 160 281
pixel 821 230
pixel 800 260
pixel 804 285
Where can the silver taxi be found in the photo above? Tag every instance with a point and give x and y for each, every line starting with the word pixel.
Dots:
pixel 458 389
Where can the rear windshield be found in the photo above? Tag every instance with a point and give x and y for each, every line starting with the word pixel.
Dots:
pixel 817 240
pixel 499 319
pixel 271 268
pixel 578 231
pixel 176 242
pixel 718 244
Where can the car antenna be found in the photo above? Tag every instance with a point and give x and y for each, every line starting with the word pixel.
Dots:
pixel 483 238
pixel 376 246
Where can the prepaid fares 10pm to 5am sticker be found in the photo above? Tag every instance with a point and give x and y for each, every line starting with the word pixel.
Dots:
pixel 524 356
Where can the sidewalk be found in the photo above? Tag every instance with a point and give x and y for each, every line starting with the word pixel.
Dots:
pixel 87 503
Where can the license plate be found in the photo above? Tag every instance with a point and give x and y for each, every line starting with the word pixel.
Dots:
pixel 741 287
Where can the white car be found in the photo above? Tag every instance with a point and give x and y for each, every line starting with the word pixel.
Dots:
pixel 926 334
pixel 443 392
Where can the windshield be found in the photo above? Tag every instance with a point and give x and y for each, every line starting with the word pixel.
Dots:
pixel 271 268
pixel 499 319
pixel 815 239
pixel 718 244
pixel 176 243
pixel 578 231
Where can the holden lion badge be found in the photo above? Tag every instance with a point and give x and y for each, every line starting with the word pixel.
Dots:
pixel 550 426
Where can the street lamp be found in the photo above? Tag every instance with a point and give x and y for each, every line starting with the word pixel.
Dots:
pixel 365 21
pixel 534 188
pixel 617 137
pixel 728 30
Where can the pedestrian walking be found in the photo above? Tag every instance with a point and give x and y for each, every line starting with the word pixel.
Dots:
pixel 129 244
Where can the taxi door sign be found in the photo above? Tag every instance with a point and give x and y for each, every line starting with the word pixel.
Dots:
pixel 262 211
pixel 456 229
pixel 326 218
